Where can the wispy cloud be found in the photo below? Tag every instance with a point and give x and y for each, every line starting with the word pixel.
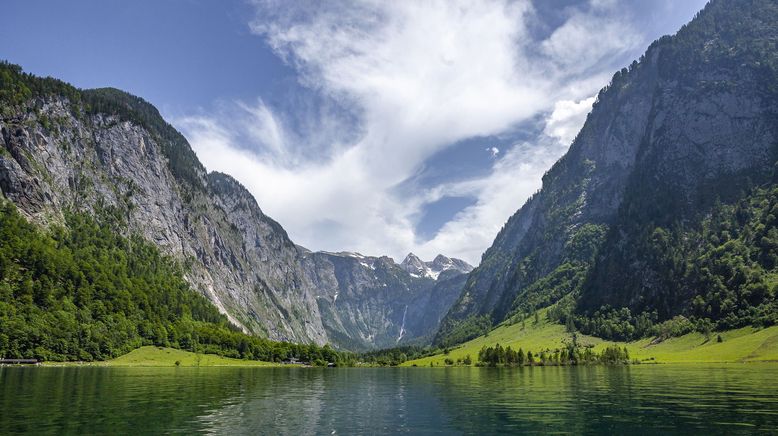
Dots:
pixel 566 119
pixel 415 78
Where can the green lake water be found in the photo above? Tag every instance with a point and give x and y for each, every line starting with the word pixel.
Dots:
pixel 643 399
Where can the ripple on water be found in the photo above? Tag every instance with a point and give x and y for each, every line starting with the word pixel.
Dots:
pixel 669 399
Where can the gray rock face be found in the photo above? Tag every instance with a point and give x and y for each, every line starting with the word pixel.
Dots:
pixel 234 254
pixel 53 161
pixel 697 111
pixel 369 302
pixel 585 186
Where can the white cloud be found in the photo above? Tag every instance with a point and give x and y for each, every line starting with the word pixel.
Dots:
pixel 422 74
pixel 586 39
pixel 418 76
pixel 514 179
pixel 494 151
pixel 567 118
pixel 263 127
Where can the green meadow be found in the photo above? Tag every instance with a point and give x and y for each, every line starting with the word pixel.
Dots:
pixel 150 356
pixel 742 345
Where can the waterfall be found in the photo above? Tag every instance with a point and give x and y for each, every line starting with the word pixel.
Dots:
pixel 402 327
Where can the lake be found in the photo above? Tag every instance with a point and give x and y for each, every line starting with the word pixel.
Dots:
pixel 667 399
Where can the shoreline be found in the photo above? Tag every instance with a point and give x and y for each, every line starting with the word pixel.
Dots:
pixel 261 364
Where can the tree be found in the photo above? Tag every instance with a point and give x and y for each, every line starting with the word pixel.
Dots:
pixel 569 325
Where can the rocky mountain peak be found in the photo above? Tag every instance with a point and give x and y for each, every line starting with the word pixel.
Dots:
pixel 419 268
pixel 442 261
pixel 412 260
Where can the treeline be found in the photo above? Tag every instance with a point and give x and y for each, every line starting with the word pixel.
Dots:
pixel 396 356
pixel 453 331
pixel 571 355
pixel 621 324
pixel 84 292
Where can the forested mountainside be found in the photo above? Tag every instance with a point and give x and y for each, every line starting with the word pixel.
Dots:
pixel 84 292
pixel 104 153
pixel 662 213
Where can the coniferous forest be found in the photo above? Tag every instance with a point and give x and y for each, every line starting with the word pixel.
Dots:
pixel 84 292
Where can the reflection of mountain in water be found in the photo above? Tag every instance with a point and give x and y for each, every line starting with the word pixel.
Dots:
pixel 583 400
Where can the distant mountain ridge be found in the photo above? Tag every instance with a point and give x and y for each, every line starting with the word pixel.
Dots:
pixel 372 301
pixel 418 268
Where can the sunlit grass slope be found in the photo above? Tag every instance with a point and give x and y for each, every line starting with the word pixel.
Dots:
pixel 529 337
pixel 742 345
pixel 160 356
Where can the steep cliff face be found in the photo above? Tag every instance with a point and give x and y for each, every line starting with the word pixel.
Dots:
pixel 55 161
pixel 711 141
pixel 110 154
pixel 692 122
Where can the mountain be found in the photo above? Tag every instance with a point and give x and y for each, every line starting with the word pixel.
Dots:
pixel 368 302
pixel 662 209
pixel 110 155
pixel 86 292
pixel 104 151
pixel 418 268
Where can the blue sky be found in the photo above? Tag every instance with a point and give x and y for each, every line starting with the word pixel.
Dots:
pixel 370 126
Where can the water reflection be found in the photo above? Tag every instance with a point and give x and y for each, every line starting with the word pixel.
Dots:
pixel 641 399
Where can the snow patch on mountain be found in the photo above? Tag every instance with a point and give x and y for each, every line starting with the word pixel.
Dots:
pixel 419 268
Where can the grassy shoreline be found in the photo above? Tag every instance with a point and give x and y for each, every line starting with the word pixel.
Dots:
pixel 740 346
pixel 745 345
pixel 150 356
